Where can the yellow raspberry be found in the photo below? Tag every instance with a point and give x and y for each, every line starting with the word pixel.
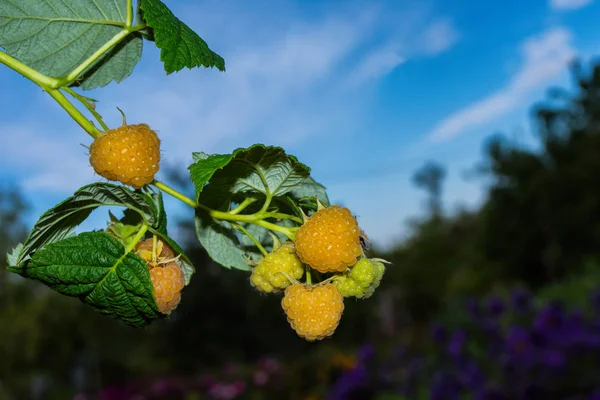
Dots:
pixel 168 281
pixel 267 276
pixel 129 154
pixel 329 241
pixel 314 312
pixel 145 251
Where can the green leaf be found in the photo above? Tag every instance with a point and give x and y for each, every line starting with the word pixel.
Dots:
pixel 258 169
pixel 55 36
pixel 58 222
pixel 13 257
pixel 310 189
pixel 116 64
pixel 96 268
pixel 161 215
pixel 180 46
pixel 220 241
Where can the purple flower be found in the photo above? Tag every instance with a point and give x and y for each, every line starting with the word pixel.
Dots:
pixel 473 309
pixel 350 381
pixel 438 332
pixel 520 347
pixel 444 387
pixel 495 306
pixel 520 300
pixel 549 322
pixel 490 393
pixel 457 343
pixel 470 374
pixel 366 353
pixel 552 358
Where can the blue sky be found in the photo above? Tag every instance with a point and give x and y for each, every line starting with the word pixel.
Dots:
pixel 364 92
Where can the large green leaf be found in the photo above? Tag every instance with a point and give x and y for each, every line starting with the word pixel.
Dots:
pixel 96 268
pixel 59 221
pixel 55 36
pixel 257 169
pixel 180 46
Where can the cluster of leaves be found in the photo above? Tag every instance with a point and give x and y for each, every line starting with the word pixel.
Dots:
pixel 239 197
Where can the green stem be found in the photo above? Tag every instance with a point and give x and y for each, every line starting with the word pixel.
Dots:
pixel 282 216
pixel 85 101
pixel 74 112
pixel 242 206
pixel 308 276
pixel 254 240
pixel 179 196
pixel 129 16
pixel 74 74
pixel 27 72
pixel 256 219
pixel 288 232
pixel 137 238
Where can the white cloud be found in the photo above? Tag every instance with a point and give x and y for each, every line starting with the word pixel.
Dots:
pixel 569 4
pixel 544 57
pixel 439 36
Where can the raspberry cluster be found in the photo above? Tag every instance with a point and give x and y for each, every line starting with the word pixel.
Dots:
pixel 329 244
pixel 129 154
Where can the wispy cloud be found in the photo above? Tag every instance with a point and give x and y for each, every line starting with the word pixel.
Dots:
pixel 543 58
pixel 562 5
pixel 439 36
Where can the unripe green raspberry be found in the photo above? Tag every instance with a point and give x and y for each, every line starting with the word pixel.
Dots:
pixel 379 270
pixel 362 280
pixel 268 277
pixel 348 287
pixel 363 272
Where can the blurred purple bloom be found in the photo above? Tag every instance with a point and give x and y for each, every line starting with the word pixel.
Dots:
pixel 519 346
pixel 473 309
pixel 470 375
pixel 260 378
pixel 595 395
pixel 490 393
pixel 550 318
pixel 270 364
pixel 457 343
pixel 348 382
pixel 444 387
pixel 520 300
pixel 366 353
pixel 552 358
pixel 495 306
pixel 438 332
pixel 226 391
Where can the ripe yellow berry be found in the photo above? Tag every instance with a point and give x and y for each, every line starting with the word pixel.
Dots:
pixel 314 312
pixel 268 277
pixel 168 281
pixel 129 154
pixel 329 241
pixel 144 249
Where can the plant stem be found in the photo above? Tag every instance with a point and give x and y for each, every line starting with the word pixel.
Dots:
pixel 308 276
pixel 129 16
pixel 254 240
pixel 242 206
pixel 86 103
pixel 256 219
pixel 74 112
pixel 283 216
pixel 179 196
pixel 137 238
pixel 26 71
pixel 74 74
